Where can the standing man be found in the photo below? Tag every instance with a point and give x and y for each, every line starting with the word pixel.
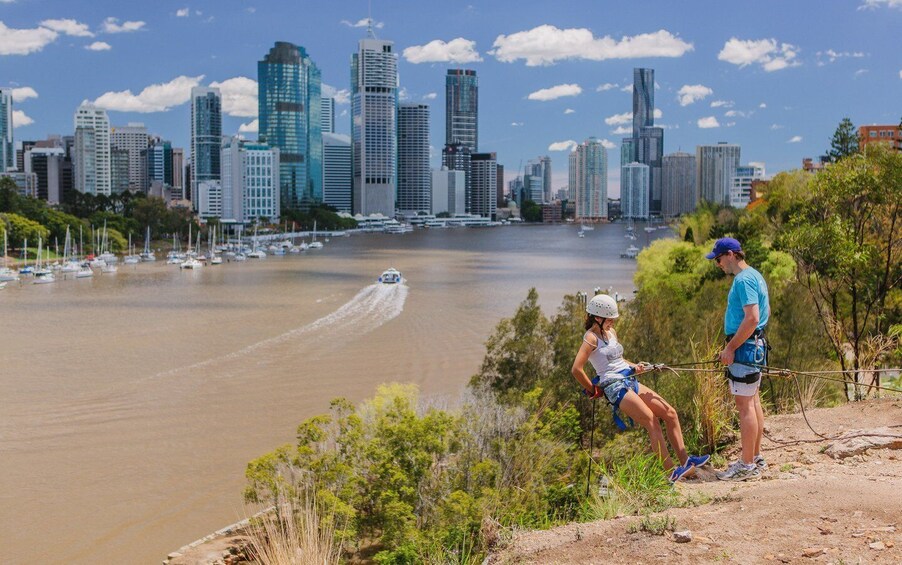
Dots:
pixel 748 311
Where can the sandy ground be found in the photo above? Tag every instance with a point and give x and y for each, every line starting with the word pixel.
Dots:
pixel 808 507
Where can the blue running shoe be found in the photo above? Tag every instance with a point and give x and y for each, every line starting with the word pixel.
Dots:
pixel 679 472
pixel 698 460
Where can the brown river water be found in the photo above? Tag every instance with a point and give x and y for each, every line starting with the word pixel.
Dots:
pixel 130 404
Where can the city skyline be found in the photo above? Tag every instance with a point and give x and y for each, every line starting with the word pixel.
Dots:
pixel 772 85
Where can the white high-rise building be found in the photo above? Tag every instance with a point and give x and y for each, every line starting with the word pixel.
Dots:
pixel 588 180
pixel 374 126
pixel 715 167
pixel 634 191
pixel 250 181
pixel 91 165
pixel 449 190
pixel 134 139
pixel 678 188
pixel 337 171
pixel 327 114
pixel 414 174
pixel 741 183
pixel 209 199
pixel 7 150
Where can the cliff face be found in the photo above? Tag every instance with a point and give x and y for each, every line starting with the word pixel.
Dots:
pixel 831 501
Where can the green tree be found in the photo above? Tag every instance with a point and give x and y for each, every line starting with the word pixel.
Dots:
pixel 844 142
pixel 151 211
pixel 531 212
pixel 21 228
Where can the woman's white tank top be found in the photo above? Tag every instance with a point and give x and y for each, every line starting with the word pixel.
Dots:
pixel 607 358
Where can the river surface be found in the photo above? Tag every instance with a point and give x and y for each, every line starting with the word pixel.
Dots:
pixel 130 404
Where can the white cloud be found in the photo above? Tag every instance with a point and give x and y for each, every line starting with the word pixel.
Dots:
pixel 765 52
pixel 24 41
pixel 762 105
pixel 606 86
pixel 547 44
pixel 402 93
pixel 342 96
pixel 517 124
pixel 99 46
pixel 617 119
pixel 23 93
pixel 831 56
pixel 608 145
pixel 722 103
pixel 250 127
pixel 21 119
pixel 430 96
pixel 343 113
pixel 622 130
pixel 155 98
pixel 874 4
pixel 776 126
pixel 795 139
pixel 860 72
pixel 363 23
pixel 729 124
pixel 626 88
pixel 555 92
pixel 458 50
pixel 709 122
pixel 239 96
pixel 569 111
pixel 68 27
pixel 900 73
pixel 689 94
pixel 112 25
pixel 568 145
pixel 182 12
pixel 738 113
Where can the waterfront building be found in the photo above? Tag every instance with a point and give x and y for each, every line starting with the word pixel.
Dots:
pixel 458 157
pixel 374 126
pixel 449 189
pixel 646 145
pixel 634 191
pixel 327 114
pixel 178 173
pixel 26 183
pixel 484 174
pixel 46 160
pixel 290 99
pixel 516 191
pixel 414 174
pixel 462 108
pixel 741 182
pixel 715 166
pixel 92 151
pixel 209 199
pixel 534 179
pixel 588 179
pixel 500 187
pixel 7 149
pixel 133 139
pixel 337 171
pixel 546 177
pixel 889 134
pixel 678 186
pixel 119 170
pixel 158 159
pixel 206 134
pixel 250 181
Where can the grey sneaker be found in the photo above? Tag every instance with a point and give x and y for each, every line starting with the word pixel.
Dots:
pixel 760 463
pixel 738 471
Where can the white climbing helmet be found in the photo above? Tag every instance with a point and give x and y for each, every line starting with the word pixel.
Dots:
pixel 602 306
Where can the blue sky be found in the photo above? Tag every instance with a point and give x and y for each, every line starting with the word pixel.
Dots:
pixel 775 77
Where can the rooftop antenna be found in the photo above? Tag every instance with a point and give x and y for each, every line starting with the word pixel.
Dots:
pixel 369 21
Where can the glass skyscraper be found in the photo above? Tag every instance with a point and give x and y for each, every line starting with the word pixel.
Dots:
pixel 7 150
pixel 678 184
pixel 589 179
pixel 290 99
pixel 414 174
pixel 462 108
pixel 634 191
pixel 646 145
pixel 206 134
pixel 715 167
pixel 92 173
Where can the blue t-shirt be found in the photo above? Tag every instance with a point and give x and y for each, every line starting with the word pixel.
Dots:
pixel 748 287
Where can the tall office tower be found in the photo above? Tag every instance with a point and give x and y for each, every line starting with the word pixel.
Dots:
pixel 651 153
pixel 627 151
pixel 534 180
pixel 715 166
pixel 7 150
pixel 741 183
pixel 448 191
pixel 92 151
pixel 67 180
pixel 178 173
pixel 500 187
pixel 374 126
pixel 588 179
pixel 337 171
pixel 45 159
pixel 327 114
pixel 206 134
pixel 546 178
pixel 250 181
pixel 134 139
pixel 290 98
pixel 643 100
pixel 634 191
pixel 646 145
pixel 119 169
pixel 414 174
pixel 516 190
pixel 484 174
pixel 158 157
pixel 462 108
pixel 209 199
pixel 20 153
pixel 458 157
pixel 678 184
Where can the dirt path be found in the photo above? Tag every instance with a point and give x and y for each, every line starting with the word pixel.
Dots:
pixel 808 507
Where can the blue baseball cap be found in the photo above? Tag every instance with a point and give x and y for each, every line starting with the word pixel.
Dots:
pixel 723 245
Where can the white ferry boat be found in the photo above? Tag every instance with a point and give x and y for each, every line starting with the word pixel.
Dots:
pixel 390 276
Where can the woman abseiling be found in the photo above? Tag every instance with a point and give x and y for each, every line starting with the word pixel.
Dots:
pixel 616 381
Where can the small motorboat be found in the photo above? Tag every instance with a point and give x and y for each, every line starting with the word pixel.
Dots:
pixel 390 276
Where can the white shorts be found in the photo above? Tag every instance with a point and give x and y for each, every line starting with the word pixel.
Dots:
pixel 744 389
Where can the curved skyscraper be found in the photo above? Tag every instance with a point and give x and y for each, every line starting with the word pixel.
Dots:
pixel 290 92
pixel 462 108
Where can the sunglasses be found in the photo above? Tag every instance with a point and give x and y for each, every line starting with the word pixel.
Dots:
pixel 717 258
